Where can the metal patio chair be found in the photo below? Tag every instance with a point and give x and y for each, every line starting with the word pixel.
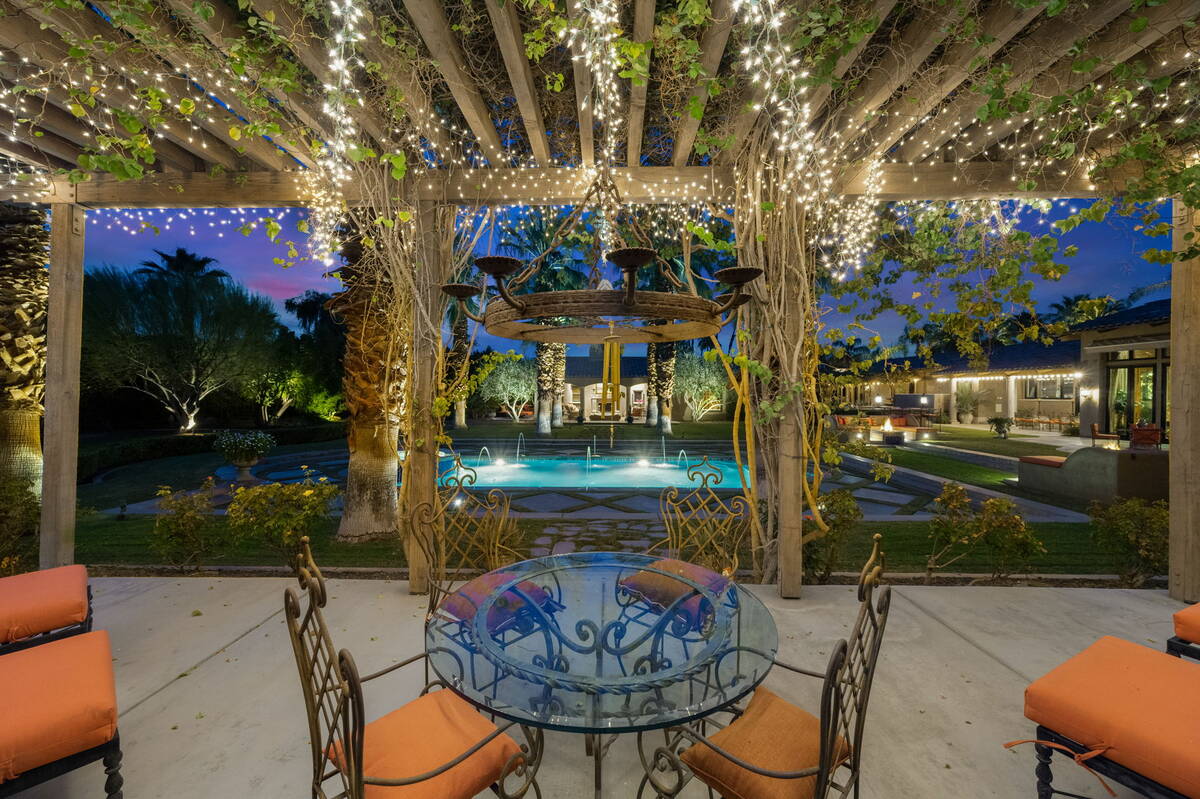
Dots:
pixel 771 740
pixel 437 745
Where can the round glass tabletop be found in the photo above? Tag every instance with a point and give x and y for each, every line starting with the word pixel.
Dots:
pixel 601 642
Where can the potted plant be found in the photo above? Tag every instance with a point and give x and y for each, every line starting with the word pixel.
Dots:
pixel 243 450
pixel 1000 425
pixel 966 401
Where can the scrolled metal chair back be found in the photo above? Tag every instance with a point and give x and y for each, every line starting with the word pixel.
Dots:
pixel 464 534
pixel 858 670
pixel 703 527
pixel 331 687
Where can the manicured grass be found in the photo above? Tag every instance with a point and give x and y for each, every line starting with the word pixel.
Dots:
pixel 101 538
pixel 1069 549
pixel 982 441
pixel 714 430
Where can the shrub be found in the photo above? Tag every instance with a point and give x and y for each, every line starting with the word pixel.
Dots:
pixel 1070 430
pixel 19 513
pixel 1000 425
pixel 237 447
pixel 951 532
pixel 186 530
pixel 280 514
pixel 1010 544
pixel 1136 532
pixel 841 513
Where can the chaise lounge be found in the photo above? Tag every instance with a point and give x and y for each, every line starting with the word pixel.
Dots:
pixel 43 606
pixel 1186 641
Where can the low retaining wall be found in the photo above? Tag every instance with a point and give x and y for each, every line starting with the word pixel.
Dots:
pixel 1096 474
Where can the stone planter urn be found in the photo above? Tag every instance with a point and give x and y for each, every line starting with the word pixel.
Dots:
pixel 965 417
pixel 243 471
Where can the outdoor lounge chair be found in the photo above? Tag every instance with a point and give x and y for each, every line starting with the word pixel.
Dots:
pixel 44 606
pixel 1145 436
pixel 1186 641
pixel 1098 436
pixel 1126 712
pixel 60 713
pixel 773 749
pixel 434 747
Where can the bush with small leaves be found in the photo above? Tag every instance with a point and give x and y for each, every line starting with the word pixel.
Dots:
pixel 841 513
pixel 1136 533
pixel 186 530
pixel 951 533
pixel 243 447
pixel 19 512
pixel 280 514
pixel 1010 545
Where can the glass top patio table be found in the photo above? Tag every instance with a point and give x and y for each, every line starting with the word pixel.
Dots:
pixel 601 642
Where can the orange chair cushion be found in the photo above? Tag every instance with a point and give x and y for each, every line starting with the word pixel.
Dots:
pixel 1141 705
pixel 38 602
pixel 1187 624
pixel 463 603
pixel 1054 461
pixel 662 590
pixel 772 734
pixel 425 734
pixel 58 699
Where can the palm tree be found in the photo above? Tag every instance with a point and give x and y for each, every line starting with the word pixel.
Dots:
pixel 182 264
pixel 24 287
pixel 322 340
pixel 562 270
pixel 1077 308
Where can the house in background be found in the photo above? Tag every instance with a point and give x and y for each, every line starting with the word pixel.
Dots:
pixel 1126 366
pixel 1113 371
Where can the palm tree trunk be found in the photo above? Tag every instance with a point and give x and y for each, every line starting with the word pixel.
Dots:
pixel 460 414
pixel 651 385
pixel 560 384
pixel 545 387
pixel 369 508
pixel 21 447
pixel 665 361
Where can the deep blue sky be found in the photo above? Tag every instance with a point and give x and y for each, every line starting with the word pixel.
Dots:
pixel 1109 261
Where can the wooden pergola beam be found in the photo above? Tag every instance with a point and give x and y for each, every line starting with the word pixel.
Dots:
pixel 1033 55
pixel 49 143
pixel 999 24
pixel 974 180
pixel 898 64
pixel 23 34
pixel 643 33
pixel 1115 45
pixel 222 30
pixel 712 50
pixel 512 48
pixel 431 22
pixel 582 78
pixel 30 156
pixel 415 99
pixel 292 20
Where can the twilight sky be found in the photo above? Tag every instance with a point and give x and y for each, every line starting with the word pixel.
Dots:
pixel 1109 261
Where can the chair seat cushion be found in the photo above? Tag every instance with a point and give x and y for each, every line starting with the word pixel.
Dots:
pixel 1187 624
pixel 38 602
pixel 1053 461
pixel 58 699
pixel 662 590
pixel 427 733
pixel 772 734
pixel 1140 705
pixel 463 603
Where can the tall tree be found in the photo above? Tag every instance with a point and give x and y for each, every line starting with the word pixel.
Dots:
pixel 512 384
pixel 24 285
pixel 175 336
pixel 322 339
pixel 702 384
pixel 1075 309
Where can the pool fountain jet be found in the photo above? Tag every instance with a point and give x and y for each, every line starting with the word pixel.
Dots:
pixel 663 441
pixel 483 450
pixel 520 441
pixel 681 456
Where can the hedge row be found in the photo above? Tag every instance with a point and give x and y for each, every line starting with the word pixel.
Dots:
pixel 145 449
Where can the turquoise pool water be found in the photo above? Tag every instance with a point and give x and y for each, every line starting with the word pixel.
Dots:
pixel 607 473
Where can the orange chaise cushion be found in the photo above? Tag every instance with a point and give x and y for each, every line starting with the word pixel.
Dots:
pixel 772 734
pixel 427 733
pixel 1054 461
pixel 57 699
pixel 1187 624
pixel 1142 704
pixel 38 602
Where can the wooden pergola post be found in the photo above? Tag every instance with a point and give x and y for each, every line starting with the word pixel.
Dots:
pixel 64 336
pixel 1184 582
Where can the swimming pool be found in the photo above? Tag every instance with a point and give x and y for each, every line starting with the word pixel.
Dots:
pixel 601 472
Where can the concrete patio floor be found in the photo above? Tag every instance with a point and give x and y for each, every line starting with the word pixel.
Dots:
pixel 210 701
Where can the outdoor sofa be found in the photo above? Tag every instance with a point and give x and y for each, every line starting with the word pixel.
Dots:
pixel 1096 474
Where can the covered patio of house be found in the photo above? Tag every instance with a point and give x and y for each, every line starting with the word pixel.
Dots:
pixel 206 682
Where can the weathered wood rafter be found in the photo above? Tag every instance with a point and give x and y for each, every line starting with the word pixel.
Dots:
pixel 643 32
pixel 512 47
pixel 712 48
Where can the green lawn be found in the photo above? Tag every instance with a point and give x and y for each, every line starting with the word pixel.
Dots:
pixel 103 539
pixel 986 441
pixel 715 430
